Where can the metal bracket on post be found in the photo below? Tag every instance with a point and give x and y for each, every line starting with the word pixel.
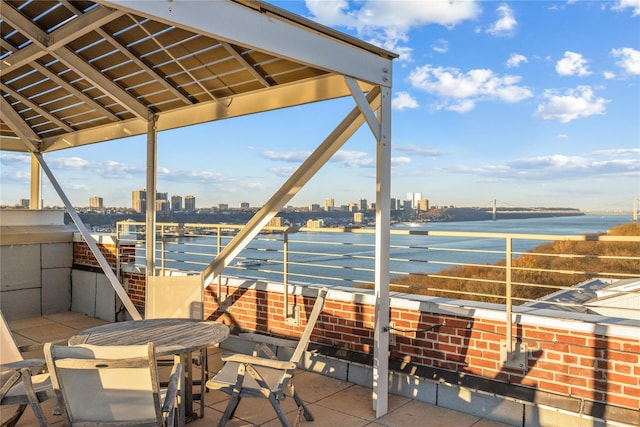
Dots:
pixel 293 316
pixel 514 356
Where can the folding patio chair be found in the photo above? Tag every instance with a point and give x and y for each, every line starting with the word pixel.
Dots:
pixel 111 385
pixel 177 297
pixel 267 376
pixel 21 382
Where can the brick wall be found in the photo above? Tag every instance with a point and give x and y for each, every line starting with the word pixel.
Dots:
pixel 593 371
pixel 134 282
pixel 82 255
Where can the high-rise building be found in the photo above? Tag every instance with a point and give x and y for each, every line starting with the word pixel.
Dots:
pixel 162 196
pixel 414 197
pixel 190 203
pixel 245 205
pixel 363 205
pixel 328 204
pixel 423 205
pixel 223 206
pixel 162 206
pixel 24 203
pixel 139 201
pixel 315 223
pixel 96 202
pixel 394 204
pixel 176 203
pixel 358 217
pixel 314 207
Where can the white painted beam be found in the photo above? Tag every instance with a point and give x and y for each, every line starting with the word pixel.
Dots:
pixel 312 90
pixel 35 190
pixel 103 83
pixel 265 31
pixel 11 118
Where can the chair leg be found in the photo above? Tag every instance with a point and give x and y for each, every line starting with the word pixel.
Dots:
pixel 33 400
pixel 276 406
pixel 305 411
pixel 11 422
pixel 230 409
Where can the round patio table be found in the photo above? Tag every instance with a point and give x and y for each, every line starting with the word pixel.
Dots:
pixel 170 337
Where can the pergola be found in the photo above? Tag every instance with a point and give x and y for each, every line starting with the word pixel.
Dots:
pixel 79 72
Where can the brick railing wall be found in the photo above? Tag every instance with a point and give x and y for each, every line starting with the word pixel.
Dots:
pixel 589 367
pixel 594 366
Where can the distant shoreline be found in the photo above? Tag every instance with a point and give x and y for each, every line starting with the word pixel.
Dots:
pixel 473 214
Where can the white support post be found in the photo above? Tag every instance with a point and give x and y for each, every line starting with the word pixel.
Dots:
pixel 150 227
pixel 35 196
pixel 102 261
pixel 382 253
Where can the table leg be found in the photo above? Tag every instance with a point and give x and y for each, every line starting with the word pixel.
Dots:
pixel 187 362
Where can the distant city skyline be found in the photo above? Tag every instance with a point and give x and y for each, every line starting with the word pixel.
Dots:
pixel 534 103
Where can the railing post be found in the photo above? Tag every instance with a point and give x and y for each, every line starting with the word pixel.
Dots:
pixel 509 308
pixel 511 356
pixel 285 258
pixel 162 250
pixel 291 315
pixel 218 249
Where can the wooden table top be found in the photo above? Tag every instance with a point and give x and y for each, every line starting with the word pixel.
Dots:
pixel 170 336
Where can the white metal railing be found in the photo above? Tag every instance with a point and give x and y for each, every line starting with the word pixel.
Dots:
pixel 345 257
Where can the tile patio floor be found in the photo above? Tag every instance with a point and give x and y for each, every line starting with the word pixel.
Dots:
pixel 334 403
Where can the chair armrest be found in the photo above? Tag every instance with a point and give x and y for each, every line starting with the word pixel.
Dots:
pixel 19 364
pixel 258 361
pixel 172 388
pixel 265 339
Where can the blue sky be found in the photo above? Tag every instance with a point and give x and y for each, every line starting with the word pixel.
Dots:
pixel 531 103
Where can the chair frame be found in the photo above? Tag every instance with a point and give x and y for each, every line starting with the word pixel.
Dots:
pixel 258 367
pixel 165 411
pixel 23 371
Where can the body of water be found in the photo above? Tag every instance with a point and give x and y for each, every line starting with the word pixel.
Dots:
pixel 346 259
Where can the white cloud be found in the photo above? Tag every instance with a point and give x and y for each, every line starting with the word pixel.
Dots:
pixel 628 59
pixel 403 101
pixel 574 104
pixel 69 163
pixel 560 166
pixel 283 171
pixel 388 14
pixel 441 46
pixel 572 64
pixel 418 151
pixel 515 60
pixel 622 5
pixel 460 91
pixel 399 161
pixel 287 156
pixel 609 75
pixel 385 23
pixel 10 159
pixel 507 23
pixel 612 152
pixel 354 159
